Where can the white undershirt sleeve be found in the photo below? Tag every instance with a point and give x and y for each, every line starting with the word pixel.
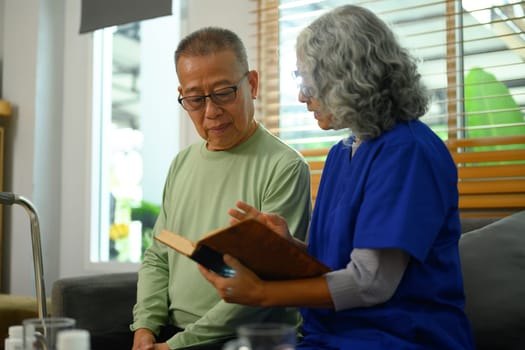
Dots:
pixel 370 278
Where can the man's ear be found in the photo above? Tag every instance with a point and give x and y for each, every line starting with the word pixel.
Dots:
pixel 253 79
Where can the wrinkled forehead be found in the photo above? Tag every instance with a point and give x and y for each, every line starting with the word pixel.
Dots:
pixel 224 60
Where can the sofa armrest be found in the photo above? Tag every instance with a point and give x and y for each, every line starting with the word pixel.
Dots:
pixel 102 304
pixel 493 264
pixel 471 224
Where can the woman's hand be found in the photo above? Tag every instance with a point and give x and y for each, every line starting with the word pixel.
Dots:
pixel 247 289
pixel 275 222
pixel 244 288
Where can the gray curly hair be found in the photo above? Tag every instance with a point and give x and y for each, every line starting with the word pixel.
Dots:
pixel 360 73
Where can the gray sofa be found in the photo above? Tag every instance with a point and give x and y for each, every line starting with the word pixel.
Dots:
pixel 493 262
pixel 101 304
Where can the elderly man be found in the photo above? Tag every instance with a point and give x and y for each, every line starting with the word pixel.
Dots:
pixel 238 159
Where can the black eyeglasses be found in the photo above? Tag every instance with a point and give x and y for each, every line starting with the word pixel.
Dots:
pixel 219 97
pixel 306 91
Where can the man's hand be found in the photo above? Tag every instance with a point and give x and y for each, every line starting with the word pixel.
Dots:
pixel 144 339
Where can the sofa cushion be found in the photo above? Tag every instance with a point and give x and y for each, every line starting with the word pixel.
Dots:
pixel 101 304
pixel 493 264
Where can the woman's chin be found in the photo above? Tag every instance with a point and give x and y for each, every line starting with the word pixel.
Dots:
pixel 324 124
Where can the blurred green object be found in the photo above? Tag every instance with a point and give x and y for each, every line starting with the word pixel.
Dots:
pixel 490 109
pixel 146 213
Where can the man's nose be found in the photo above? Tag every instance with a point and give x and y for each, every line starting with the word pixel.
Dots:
pixel 211 109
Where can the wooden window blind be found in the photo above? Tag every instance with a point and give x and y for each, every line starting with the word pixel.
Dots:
pixel 267 105
pixel 472 59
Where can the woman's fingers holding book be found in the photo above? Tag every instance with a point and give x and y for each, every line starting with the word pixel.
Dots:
pixel 278 224
pixel 245 288
pixel 247 208
pixel 245 211
pixel 225 286
pixel 217 281
pixel 236 216
pixel 209 275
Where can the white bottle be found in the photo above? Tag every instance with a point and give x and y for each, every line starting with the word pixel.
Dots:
pixel 15 339
pixel 73 339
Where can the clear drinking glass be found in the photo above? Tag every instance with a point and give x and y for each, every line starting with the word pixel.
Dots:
pixel 41 334
pixel 264 336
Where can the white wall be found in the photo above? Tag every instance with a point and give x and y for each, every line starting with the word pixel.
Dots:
pixel 19 86
pixel 47 78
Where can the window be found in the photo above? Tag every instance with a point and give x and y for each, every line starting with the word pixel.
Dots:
pixel 472 57
pixel 137 115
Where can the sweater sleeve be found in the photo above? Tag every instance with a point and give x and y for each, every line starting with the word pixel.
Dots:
pixel 218 322
pixel 150 311
pixel 151 308
pixel 370 278
pixel 289 196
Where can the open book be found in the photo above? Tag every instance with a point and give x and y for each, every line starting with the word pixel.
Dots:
pixel 269 255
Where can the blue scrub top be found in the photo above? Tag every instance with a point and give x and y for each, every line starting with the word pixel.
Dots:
pixel 397 191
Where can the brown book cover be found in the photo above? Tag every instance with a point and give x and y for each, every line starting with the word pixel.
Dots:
pixel 269 255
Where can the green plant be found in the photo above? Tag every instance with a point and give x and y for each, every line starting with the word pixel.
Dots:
pixel 490 109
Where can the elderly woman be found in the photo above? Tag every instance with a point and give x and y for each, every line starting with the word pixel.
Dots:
pixel 386 217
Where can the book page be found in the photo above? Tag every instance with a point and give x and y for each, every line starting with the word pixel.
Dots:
pixel 176 241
